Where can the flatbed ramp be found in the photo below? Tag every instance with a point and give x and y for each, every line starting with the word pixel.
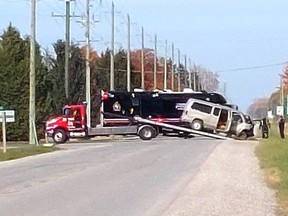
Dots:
pixel 178 128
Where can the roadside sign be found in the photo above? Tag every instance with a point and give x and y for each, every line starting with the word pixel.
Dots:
pixel 10 115
pixel 280 110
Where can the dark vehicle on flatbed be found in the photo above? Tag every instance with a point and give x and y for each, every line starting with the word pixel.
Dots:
pixel 166 107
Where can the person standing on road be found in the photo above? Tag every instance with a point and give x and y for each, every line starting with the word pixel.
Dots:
pixel 281 124
pixel 265 129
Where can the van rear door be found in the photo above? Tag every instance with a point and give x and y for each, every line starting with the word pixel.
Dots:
pixel 224 120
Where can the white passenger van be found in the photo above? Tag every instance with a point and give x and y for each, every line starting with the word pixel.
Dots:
pixel 208 116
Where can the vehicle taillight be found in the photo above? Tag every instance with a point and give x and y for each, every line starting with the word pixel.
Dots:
pixel 105 96
pixel 160 120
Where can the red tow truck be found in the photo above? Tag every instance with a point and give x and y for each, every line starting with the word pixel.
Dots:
pixel 73 121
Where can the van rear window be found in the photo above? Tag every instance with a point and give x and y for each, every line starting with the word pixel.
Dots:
pixel 201 107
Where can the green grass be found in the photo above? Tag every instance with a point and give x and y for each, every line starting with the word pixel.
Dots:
pixel 24 150
pixel 273 156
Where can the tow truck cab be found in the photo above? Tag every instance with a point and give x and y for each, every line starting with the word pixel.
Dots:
pixel 72 123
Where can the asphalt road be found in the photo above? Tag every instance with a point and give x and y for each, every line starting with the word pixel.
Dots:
pixel 121 178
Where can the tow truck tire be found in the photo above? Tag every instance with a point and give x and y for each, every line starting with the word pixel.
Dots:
pixel 59 136
pixel 156 131
pixel 197 125
pixel 147 132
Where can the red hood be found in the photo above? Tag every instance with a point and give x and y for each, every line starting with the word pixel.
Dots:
pixel 54 120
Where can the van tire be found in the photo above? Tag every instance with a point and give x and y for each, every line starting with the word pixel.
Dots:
pixel 147 132
pixel 197 125
pixel 243 135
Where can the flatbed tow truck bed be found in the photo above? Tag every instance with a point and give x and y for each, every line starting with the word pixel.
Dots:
pixel 144 128
pixel 144 122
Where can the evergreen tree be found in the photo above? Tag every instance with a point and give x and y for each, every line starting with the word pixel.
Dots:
pixel 57 78
pixel 14 88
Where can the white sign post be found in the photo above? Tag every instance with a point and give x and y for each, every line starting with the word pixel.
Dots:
pixel 4 131
pixel 6 116
pixel 280 111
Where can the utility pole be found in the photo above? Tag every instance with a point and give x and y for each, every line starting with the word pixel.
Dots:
pixel 67 44
pixel 165 67
pixel 281 90
pixel 128 57
pixel 185 71
pixel 67 48
pixel 172 68
pixel 179 72
pixel 194 78
pixel 32 135
pixel 142 62
pixel 112 49
pixel 87 63
pixel 190 71
pixel 204 83
pixel 155 63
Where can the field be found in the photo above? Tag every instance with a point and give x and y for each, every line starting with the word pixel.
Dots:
pixel 273 156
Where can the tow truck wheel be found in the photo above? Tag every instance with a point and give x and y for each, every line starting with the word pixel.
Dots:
pixel 156 131
pixel 59 136
pixel 197 125
pixel 146 132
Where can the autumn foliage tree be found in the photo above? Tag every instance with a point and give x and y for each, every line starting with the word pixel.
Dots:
pixel 259 108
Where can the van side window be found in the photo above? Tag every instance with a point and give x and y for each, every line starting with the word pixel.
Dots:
pixel 202 107
pixel 216 111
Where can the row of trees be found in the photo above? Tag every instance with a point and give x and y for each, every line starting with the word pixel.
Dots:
pixel 50 92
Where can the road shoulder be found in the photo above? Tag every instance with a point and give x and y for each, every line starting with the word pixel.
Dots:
pixel 230 182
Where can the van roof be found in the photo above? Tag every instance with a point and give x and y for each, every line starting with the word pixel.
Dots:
pixel 212 104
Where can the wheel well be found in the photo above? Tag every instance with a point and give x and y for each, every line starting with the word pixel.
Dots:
pixel 156 128
pixel 197 119
pixel 60 128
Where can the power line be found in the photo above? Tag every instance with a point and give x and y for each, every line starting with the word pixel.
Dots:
pixel 251 68
pixel 57 8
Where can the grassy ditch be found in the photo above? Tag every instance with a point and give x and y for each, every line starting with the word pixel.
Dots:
pixel 23 150
pixel 273 156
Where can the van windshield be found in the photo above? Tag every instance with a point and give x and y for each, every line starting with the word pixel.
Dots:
pixel 66 111
pixel 248 119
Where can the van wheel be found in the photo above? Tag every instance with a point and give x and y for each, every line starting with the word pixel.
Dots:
pixel 147 132
pixel 197 125
pixel 243 135
pixel 59 136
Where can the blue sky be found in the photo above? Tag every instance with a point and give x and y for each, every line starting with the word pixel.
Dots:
pixel 220 35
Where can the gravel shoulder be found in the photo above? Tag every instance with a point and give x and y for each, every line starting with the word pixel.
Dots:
pixel 229 183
